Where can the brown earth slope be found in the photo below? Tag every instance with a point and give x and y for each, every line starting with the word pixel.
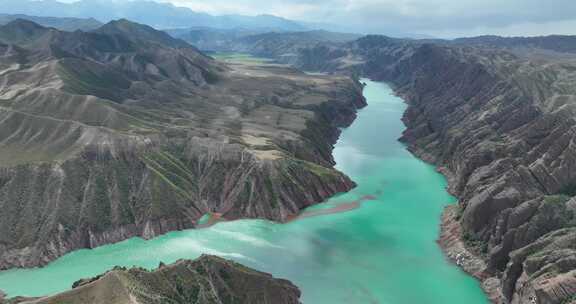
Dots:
pixel 126 132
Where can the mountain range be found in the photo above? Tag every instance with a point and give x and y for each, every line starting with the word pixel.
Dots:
pixel 258 42
pixel 64 24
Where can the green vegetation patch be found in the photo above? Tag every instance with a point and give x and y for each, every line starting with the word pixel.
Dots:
pixel 172 171
pixel 240 58
pixel 556 199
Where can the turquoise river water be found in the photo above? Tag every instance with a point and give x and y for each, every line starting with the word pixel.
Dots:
pixel 382 252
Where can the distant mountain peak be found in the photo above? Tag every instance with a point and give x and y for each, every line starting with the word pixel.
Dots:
pixel 137 31
pixel 155 13
pixel 23 24
pixel 123 25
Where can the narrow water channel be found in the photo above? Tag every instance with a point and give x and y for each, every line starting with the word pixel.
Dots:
pixel 383 251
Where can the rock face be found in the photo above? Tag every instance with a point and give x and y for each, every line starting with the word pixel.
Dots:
pixel 499 123
pixel 126 132
pixel 207 280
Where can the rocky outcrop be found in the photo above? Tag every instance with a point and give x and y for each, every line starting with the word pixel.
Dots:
pixel 127 132
pixel 208 279
pixel 544 271
pixel 500 125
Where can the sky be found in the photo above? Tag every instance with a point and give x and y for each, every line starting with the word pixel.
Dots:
pixel 439 18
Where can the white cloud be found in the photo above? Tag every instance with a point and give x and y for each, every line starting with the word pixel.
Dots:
pixel 438 17
pixel 287 9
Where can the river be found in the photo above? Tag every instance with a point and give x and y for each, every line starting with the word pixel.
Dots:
pixel 383 251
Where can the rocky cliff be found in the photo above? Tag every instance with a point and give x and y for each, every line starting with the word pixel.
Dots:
pixel 206 280
pixel 125 131
pixel 500 124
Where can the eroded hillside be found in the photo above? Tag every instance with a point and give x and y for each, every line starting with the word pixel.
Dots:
pixel 125 131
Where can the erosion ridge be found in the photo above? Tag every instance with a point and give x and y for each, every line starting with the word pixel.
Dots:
pixel 125 131
pixel 499 122
pixel 208 279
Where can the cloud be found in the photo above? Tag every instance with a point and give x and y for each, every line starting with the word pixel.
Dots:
pixel 294 9
pixel 430 16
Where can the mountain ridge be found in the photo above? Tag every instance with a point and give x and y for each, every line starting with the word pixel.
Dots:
pixel 156 14
pixel 64 24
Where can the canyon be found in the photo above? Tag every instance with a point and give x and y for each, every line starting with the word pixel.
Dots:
pixel 374 243
pixel 496 116
pixel 125 131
